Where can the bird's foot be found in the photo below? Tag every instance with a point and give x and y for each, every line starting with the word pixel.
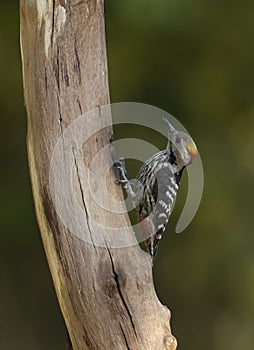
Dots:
pixel 123 177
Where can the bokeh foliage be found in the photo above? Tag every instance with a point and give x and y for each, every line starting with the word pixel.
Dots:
pixel 196 61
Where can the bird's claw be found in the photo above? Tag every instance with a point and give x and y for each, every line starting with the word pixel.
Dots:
pixel 123 180
pixel 120 164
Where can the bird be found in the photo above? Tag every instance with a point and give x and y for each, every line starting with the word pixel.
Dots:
pixel 154 190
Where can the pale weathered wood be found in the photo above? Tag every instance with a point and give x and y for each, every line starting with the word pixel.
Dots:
pixel 106 295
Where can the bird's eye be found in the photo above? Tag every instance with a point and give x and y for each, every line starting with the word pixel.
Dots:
pixel 177 140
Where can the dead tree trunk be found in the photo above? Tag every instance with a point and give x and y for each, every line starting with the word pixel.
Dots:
pixel 106 294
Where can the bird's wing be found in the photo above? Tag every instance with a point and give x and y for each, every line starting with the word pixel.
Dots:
pixel 166 188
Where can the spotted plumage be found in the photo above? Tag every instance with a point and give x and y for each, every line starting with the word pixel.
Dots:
pixel 156 185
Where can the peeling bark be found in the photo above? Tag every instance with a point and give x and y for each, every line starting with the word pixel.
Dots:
pixel 106 295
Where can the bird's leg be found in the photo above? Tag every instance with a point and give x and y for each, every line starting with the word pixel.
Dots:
pixel 120 165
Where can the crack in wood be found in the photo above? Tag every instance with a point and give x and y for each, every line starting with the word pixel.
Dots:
pixel 83 198
pixel 66 75
pixel 60 119
pixel 124 336
pixel 56 68
pixel 46 81
pixel 116 278
pixel 77 67
pixel 53 22
pixel 79 106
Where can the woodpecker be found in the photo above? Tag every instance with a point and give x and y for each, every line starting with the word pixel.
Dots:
pixel 154 190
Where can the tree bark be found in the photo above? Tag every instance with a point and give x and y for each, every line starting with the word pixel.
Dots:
pixel 106 294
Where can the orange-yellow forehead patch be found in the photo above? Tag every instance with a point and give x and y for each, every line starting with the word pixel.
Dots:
pixel 192 149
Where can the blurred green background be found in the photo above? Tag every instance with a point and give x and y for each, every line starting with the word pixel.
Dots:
pixel 195 60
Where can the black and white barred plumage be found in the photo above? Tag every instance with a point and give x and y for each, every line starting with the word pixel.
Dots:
pixel 156 185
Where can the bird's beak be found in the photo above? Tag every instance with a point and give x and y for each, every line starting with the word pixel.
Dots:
pixel 171 129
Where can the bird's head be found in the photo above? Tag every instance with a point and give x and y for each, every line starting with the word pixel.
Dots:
pixel 181 145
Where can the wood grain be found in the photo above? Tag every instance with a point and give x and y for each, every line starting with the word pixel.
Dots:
pixel 106 295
